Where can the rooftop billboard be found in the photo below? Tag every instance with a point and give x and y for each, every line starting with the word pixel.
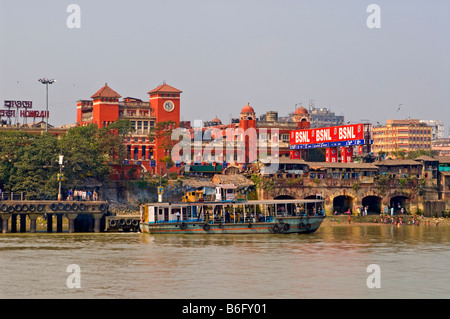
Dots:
pixel 344 135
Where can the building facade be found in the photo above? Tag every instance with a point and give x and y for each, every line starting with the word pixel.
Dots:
pixel 245 140
pixel 408 135
pixel 437 128
pixel 322 117
pixel 105 107
pixel 442 146
pixel 271 135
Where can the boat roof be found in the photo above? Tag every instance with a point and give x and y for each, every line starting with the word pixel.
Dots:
pixel 252 202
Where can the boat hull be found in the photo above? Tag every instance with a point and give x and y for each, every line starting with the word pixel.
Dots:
pixel 286 225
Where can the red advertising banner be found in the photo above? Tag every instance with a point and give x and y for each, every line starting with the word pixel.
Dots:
pixel 327 134
pixel 295 154
pixel 349 154
pixel 346 154
pixel 333 155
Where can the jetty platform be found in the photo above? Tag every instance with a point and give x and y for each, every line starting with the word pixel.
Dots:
pixel 76 212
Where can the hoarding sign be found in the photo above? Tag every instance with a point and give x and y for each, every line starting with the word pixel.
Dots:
pixel 325 137
pixel 26 112
pixel 325 145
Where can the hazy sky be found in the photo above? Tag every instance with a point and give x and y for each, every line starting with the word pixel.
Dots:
pixel 223 54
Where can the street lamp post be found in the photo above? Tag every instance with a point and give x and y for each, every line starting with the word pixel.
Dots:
pixel 46 82
pixel 60 176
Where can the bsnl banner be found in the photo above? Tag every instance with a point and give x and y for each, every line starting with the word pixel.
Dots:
pixel 327 136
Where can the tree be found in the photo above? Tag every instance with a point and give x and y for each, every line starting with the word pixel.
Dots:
pixel 29 162
pixel 11 149
pixel 162 132
pixel 415 154
pixel 399 153
pixel 36 167
pixel 112 139
pixel 84 156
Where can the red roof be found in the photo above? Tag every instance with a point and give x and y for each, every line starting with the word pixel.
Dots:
pixel 106 91
pixel 165 88
pixel 301 110
pixel 247 109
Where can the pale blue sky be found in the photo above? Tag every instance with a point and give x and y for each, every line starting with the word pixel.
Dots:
pixel 223 54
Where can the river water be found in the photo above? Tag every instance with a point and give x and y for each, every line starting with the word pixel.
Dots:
pixel 331 263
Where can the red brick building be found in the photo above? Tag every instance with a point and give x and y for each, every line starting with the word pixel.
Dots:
pixel 105 107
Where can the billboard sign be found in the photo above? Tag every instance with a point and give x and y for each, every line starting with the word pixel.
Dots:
pixel 324 137
pixel 26 112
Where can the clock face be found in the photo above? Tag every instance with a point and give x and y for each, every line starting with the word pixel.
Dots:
pixel 169 106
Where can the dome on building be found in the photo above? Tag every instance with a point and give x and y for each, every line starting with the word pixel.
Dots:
pixel 247 109
pixel 217 120
pixel 301 110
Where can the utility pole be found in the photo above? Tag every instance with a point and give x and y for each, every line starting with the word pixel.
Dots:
pixel 60 176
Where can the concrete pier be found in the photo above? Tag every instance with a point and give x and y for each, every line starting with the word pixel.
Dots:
pixel 5 218
pixel 76 212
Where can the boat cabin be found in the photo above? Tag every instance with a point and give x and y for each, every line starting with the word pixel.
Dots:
pixel 229 212
pixel 226 192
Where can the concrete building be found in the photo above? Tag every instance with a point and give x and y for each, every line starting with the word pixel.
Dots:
pixel 408 135
pixel 437 128
pixel 322 117
pixel 270 134
pixel 105 107
pixel 442 146
pixel 418 186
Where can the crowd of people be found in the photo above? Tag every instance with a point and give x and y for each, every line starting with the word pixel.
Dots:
pixel 82 195
pixel 414 220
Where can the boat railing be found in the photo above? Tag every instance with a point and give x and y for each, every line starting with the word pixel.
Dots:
pixel 239 220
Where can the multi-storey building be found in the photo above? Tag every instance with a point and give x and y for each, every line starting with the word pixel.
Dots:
pixel 105 108
pixel 271 138
pixel 437 128
pixel 408 135
pixel 322 117
pixel 442 146
pixel 271 135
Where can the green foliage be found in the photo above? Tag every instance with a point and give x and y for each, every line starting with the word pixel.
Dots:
pixel 162 132
pixel 256 179
pixel 420 187
pixel 12 145
pixel 382 183
pixel 29 162
pixel 418 153
pixel 402 182
pixel 35 168
pixel 111 138
pixel 400 153
pixel 83 155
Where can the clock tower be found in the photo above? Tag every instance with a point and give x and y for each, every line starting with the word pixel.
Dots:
pixel 165 103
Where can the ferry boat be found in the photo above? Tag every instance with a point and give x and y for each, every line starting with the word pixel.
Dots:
pixel 242 217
